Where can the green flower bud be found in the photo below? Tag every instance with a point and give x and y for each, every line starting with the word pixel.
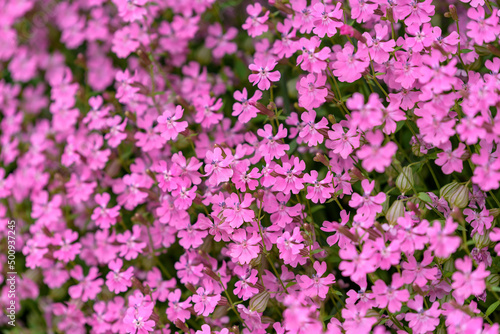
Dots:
pixel 441 330
pixel 396 210
pixel 254 263
pixel 447 189
pixel 495 212
pixel 493 280
pixel 459 197
pixel 259 301
pixel 449 266
pixel 481 241
pixel 405 180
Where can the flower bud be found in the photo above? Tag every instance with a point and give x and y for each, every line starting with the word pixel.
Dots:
pixel 254 263
pixel 445 191
pixel 396 210
pixel 495 212
pixel 453 12
pixel 355 175
pixel 459 197
pixel 181 325
pixel 405 180
pixel 259 302
pixel 320 157
pixel 441 330
pixel 449 266
pixel 389 14
pixel 481 241
pixel 190 287
pixel 493 280
pixel 223 301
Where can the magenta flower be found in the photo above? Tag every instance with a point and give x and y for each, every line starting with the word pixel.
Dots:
pixel 245 109
pixel 218 166
pixel 263 76
pixel 349 66
pixel 89 286
pixel 467 282
pixel 271 146
pixel 317 285
pixel 204 303
pixel 236 212
pixel 424 320
pixel 418 273
pixel 340 142
pixel 313 133
pixel 67 250
pixel 327 19
pixel 391 296
pixel 312 91
pixel 255 24
pixel 105 217
pixel 167 125
pixel 116 280
pixel 246 247
pixel 376 157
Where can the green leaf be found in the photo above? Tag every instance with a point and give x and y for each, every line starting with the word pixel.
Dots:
pixel 291 284
pixel 465 50
pixel 492 308
pixel 425 197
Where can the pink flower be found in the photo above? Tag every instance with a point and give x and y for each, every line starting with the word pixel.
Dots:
pixel 118 281
pixel 245 249
pixel 176 309
pixel 368 206
pixel 349 66
pixel 244 288
pixel 356 320
pixel 204 303
pixel 289 176
pixel 131 245
pixel 218 166
pixel 376 157
pixel 379 51
pixel 451 160
pixel 167 125
pixel 480 29
pixel 104 217
pixel 327 19
pixel 220 42
pixel 317 286
pixel 255 24
pixel 89 286
pixel 442 241
pixel 467 282
pixel 313 133
pixel 245 109
pixel 264 76
pixel 391 296
pixel 417 273
pixel 236 212
pixel 340 142
pixel 67 250
pixel 272 146
pixel 290 246
pixel 479 220
pixel 424 320
pixel 321 190
pixel 310 60
pixel 312 91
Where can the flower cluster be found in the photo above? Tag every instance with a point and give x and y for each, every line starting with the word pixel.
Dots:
pixel 279 166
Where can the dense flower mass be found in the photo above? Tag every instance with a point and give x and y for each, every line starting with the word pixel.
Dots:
pixel 235 166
